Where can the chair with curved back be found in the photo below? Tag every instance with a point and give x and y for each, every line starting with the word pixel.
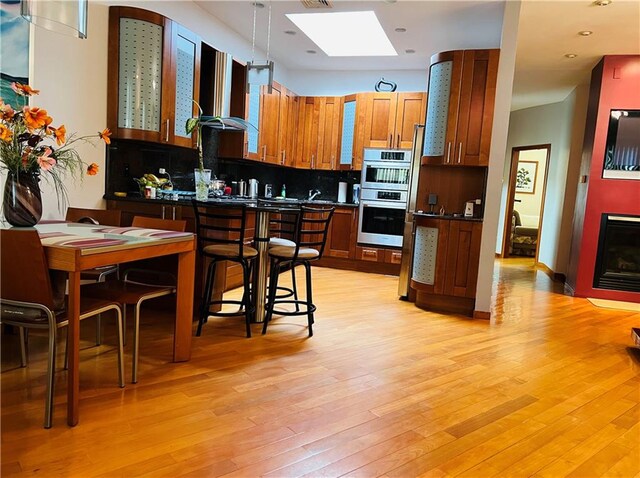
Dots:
pixel 221 237
pixel 310 238
pixel 27 301
pixel 140 283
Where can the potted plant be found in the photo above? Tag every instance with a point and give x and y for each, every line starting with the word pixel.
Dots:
pixel 31 148
pixel 201 174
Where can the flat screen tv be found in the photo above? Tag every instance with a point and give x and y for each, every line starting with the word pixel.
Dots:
pixel 622 154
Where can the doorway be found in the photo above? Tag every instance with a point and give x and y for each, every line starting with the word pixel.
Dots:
pixel 525 201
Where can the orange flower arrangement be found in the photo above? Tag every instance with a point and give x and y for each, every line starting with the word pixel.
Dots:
pixel 29 143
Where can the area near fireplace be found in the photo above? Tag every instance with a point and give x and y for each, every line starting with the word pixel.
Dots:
pixel 604 262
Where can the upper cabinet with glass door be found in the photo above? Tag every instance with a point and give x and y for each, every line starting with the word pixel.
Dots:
pixel 153 67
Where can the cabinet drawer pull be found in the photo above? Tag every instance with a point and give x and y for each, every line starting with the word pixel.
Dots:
pixel 459 152
pixel 448 151
pixel 369 253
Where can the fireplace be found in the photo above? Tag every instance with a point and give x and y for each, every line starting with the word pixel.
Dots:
pixel 618 259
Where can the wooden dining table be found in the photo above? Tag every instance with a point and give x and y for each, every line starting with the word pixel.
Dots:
pixel 74 247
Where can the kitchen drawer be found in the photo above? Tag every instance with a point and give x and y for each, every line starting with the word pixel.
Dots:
pixel 371 254
pixel 393 257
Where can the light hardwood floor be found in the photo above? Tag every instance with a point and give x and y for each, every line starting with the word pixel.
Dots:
pixel 548 387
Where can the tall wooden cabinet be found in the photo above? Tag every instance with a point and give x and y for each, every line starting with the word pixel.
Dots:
pixel 154 64
pixel 460 110
pixel 391 118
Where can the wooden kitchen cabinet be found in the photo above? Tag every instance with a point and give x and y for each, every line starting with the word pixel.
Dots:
pixel 353 119
pixel 153 68
pixel 288 127
pixel 329 133
pixel 308 132
pixel 446 258
pixel 342 234
pixel 460 109
pixel 269 137
pixel 391 118
pixel 151 208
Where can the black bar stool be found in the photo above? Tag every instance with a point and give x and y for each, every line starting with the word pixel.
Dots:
pixel 310 238
pixel 221 237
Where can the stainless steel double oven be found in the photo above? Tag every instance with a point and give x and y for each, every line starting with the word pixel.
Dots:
pixel 385 184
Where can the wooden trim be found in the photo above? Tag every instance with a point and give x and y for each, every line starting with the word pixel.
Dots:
pixel 481 314
pixel 511 194
pixel 555 276
pixel 445 303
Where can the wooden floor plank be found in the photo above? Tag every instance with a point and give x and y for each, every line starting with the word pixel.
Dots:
pixel 548 386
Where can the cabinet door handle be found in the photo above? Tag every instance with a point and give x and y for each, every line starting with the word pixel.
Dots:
pixel 459 152
pixel 333 162
pixel 166 132
pixel 163 212
pixel 173 213
pixel 448 151
pixel 391 140
pixel 284 155
pixel 313 161
pixel 264 152
pixel 398 145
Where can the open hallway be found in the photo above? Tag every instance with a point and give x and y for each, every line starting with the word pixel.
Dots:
pixel 549 387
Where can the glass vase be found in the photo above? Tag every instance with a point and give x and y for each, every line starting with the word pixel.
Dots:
pixel 22 203
pixel 202 179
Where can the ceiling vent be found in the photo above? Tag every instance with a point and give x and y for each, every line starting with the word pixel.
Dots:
pixel 316 3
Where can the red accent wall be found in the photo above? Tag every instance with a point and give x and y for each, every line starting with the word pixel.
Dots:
pixel 618 88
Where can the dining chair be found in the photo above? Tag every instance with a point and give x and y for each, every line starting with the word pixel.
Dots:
pixel 310 239
pixel 107 217
pixel 27 301
pixel 221 237
pixel 140 283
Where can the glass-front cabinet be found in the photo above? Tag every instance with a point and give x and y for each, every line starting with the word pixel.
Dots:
pixel 153 66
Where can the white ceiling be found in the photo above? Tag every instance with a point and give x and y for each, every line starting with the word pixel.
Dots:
pixel 547 30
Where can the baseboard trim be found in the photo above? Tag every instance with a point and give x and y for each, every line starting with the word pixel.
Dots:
pixel 481 314
pixel 555 276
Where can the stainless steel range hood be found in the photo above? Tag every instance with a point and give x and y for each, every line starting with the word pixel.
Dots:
pixel 222 84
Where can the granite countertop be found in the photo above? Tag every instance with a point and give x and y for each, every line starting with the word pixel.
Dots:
pixel 230 200
pixel 450 217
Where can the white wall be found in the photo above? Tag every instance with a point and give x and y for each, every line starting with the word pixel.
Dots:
pixel 504 88
pixel 340 83
pixel 528 205
pixel 71 75
pixel 557 124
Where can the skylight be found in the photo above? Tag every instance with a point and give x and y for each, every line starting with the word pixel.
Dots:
pixel 345 33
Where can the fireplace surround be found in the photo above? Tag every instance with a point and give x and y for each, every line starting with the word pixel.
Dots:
pixel 618 257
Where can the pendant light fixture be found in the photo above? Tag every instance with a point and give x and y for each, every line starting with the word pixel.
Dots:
pixel 63 16
pixel 260 74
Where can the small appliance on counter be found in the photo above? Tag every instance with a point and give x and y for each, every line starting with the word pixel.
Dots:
pixel 253 188
pixel 356 194
pixel 268 191
pixel 342 192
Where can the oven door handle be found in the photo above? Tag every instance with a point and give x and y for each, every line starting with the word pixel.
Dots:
pixel 383 204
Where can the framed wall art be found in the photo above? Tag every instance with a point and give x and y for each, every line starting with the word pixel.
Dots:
pixel 526 177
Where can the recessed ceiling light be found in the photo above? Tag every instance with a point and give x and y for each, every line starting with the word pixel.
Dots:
pixel 290 32
pixel 602 3
pixel 312 52
pixel 345 33
pixel 571 55
pixel 401 30
pixel 585 33
pixel 410 51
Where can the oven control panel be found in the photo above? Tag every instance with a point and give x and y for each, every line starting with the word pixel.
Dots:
pixel 389 195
